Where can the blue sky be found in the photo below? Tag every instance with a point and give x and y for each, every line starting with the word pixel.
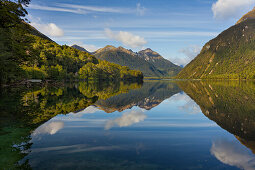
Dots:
pixel 177 29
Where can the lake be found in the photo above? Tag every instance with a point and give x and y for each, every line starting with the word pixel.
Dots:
pixel 151 125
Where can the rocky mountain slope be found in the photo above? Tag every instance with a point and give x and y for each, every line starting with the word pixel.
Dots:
pixel 231 55
pixel 147 61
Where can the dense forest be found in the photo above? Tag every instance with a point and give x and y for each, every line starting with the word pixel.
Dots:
pixel 28 54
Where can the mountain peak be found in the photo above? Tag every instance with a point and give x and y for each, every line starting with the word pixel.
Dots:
pixel 249 15
pixel 106 48
pixel 79 48
pixel 149 54
pixel 126 50
pixel 148 49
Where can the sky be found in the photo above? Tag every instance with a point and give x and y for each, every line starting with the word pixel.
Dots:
pixel 176 29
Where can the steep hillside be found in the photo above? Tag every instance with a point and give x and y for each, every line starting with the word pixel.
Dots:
pixel 165 66
pixel 147 61
pixel 231 55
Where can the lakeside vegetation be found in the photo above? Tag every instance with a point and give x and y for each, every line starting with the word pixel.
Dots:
pixel 28 54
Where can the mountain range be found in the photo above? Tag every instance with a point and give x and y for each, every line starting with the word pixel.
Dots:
pixel 231 55
pixel 148 61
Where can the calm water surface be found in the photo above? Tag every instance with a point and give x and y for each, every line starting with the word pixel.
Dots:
pixel 154 125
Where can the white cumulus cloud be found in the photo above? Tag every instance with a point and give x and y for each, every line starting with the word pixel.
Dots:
pixel 126 38
pixel 233 154
pixel 49 29
pixel 126 119
pixel 225 9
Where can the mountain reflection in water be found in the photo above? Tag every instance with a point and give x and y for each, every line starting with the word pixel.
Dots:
pixel 150 125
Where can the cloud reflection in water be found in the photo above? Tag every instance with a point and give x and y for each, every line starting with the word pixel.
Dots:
pixel 127 119
pixel 233 154
pixel 49 128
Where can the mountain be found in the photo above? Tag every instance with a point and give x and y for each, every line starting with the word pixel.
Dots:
pixel 165 66
pixel 150 95
pixel 79 48
pixel 231 55
pixel 249 15
pixel 147 61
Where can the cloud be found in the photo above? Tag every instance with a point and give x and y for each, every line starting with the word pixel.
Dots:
pixel 233 154
pixel 126 38
pixel 126 119
pixel 47 8
pixel 189 52
pixel 225 9
pixel 90 47
pixel 50 29
pixel 49 128
pixel 83 9
pixel 79 148
pixel 96 8
pixel 140 10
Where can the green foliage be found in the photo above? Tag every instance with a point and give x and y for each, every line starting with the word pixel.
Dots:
pixel 14 41
pixel 27 53
pixel 35 73
pixel 106 70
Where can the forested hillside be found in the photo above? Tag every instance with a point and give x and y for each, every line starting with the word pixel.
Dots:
pixel 26 53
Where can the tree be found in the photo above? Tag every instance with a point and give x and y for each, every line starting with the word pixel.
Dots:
pixel 13 40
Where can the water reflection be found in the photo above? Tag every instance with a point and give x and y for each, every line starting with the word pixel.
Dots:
pixel 232 153
pixel 48 128
pixel 229 104
pixel 152 125
pixel 189 106
pixel 126 119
